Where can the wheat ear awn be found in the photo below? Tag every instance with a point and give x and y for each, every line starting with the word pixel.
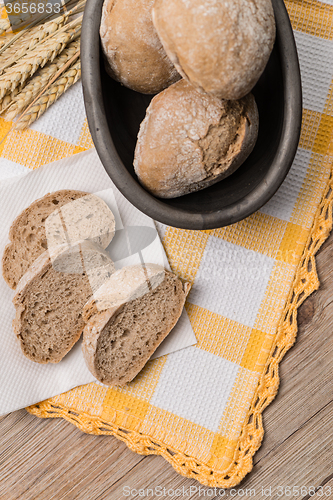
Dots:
pixel 50 96
pixel 4 25
pixel 35 35
pixel 56 76
pixel 38 57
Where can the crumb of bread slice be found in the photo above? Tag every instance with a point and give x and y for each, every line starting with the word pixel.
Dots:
pixel 58 220
pixel 27 234
pixel 49 302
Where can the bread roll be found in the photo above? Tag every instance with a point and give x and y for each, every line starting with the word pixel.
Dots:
pixel 134 54
pixel 189 140
pixel 220 46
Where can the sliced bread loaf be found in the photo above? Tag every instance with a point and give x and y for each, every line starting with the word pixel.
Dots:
pixel 49 302
pixel 127 320
pixel 55 222
pixel 27 234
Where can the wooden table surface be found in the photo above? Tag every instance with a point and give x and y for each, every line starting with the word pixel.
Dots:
pixel 53 460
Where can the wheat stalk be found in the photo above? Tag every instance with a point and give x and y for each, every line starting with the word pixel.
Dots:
pixel 50 96
pixel 21 100
pixel 15 49
pixel 34 36
pixel 4 25
pixel 5 39
pixel 38 57
pixel 42 17
pixel 8 99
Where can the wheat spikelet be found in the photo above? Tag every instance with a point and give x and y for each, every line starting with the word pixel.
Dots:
pixel 5 39
pixel 4 25
pixel 60 86
pixel 15 49
pixel 21 100
pixel 38 57
pixel 30 39
pixel 37 21
pixel 50 18
pixel 8 99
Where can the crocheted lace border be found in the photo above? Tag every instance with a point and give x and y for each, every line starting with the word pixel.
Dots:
pixel 305 282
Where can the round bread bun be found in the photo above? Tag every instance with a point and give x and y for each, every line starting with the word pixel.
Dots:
pixel 133 52
pixel 220 46
pixel 189 140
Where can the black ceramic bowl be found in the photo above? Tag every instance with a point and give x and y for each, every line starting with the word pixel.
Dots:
pixel 115 112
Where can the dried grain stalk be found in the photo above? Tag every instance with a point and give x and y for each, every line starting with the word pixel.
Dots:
pixel 27 42
pixel 4 25
pixel 38 57
pixel 68 8
pixel 22 99
pixel 5 39
pixel 36 35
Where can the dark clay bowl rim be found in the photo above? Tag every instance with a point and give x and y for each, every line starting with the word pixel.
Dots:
pixel 132 190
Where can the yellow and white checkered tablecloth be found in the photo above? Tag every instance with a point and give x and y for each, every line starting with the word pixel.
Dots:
pixel 201 407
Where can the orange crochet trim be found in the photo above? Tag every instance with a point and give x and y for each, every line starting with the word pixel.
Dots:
pixel 305 282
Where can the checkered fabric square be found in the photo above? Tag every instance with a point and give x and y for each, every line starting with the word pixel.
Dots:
pixel 192 406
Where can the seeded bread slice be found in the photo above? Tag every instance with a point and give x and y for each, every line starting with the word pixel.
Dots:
pixel 27 234
pixel 142 306
pixel 57 221
pixel 49 302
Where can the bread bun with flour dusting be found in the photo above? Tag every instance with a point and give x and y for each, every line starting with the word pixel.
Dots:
pixel 134 54
pixel 220 46
pixel 190 140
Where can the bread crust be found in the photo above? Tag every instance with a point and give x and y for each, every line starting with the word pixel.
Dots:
pixel 98 319
pixel 133 53
pixel 22 220
pixel 59 219
pixel 40 264
pixel 73 266
pixel 35 272
pixel 91 334
pixel 220 46
pixel 124 285
pixel 189 141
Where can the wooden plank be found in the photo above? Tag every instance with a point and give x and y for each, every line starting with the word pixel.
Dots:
pixel 305 459
pixel 52 459
pixel 325 489
pixel 306 373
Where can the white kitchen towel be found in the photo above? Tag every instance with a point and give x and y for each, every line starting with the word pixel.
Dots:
pixel 23 382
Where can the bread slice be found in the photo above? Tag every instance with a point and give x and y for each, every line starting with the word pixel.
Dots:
pixel 127 320
pixel 27 234
pixel 87 218
pixel 55 222
pixel 49 302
